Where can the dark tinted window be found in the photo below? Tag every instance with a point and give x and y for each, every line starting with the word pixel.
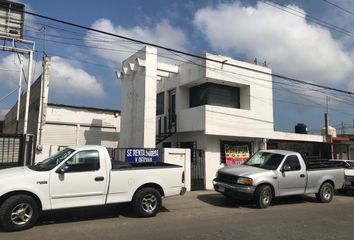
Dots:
pixel 214 94
pixel 84 161
pixel 160 103
pixel 293 162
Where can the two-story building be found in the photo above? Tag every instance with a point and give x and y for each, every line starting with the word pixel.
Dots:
pixel 223 112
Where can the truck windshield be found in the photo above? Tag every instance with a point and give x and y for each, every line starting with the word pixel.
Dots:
pixel 51 162
pixel 265 160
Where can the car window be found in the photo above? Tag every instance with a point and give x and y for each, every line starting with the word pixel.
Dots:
pixel 84 161
pixel 293 162
pixel 265 160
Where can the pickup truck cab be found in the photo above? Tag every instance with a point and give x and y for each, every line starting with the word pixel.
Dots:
pixel 80 177
pixel 275 173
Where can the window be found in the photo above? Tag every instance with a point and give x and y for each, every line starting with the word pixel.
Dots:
pixel 84 161
pixel 293 162
pixel 214 94
pixel 160 103
pixel 265 160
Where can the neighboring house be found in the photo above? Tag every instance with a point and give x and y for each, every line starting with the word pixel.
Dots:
pixel 343 147
pixel 56 126
pixel 223 113
pixel 1 126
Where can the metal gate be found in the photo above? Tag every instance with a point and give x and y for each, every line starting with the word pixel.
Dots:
pixel 16 150
pixel 197 170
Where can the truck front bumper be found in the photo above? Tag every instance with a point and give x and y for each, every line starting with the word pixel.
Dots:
pixel 237 191
pixel 349 183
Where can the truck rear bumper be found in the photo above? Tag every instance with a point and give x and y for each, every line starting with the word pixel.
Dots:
pixel 183 191
pixel 237 191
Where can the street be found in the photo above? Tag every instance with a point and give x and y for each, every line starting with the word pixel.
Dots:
pixel 203 215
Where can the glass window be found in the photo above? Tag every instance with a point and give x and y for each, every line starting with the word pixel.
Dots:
pixel 214 94
pixel 84 161
pixel 160 103
pixel 293 162
pixel 265 160
pixel 53 161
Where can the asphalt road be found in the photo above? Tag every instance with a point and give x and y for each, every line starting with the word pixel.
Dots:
pixel 203 215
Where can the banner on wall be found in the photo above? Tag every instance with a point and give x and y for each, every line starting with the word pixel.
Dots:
pixel 236 155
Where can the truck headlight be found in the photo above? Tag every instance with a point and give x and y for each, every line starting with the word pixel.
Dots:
pixel 245 181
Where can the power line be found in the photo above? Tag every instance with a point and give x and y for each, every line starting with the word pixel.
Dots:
pixel 182 52
pixel 208 67
pixel 339 7
pixel 293 11
pixel 9 94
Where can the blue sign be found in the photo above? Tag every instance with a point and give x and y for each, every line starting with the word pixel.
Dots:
pixel 140 155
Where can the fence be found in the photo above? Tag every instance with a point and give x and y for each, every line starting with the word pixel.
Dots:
pixel 16 150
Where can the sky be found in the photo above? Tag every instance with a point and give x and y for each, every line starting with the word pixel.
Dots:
pixel 310 40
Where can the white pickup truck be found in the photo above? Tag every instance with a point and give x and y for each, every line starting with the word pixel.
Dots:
pixel 80 177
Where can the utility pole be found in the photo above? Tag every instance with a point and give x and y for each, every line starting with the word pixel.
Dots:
pixel 19 97
pixel 44 39
pixel 28 92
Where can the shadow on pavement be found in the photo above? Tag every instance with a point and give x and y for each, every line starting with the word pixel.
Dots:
pixel 219 200
pixel 88 213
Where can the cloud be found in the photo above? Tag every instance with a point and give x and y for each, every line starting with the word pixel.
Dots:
pixel 65 79
pixel 10 70
pixel 293 46
pixel 162 33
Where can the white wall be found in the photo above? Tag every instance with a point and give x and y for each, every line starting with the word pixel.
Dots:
pixel 138 104
pixel 180 157
pixel 70 126
pixel 213 155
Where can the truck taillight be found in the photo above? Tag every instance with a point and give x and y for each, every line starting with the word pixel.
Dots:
pixel 183 177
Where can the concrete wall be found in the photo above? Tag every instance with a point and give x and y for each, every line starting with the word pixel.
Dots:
pixel 180 157
pixel 139 100
pixel 10 118
pixel 70 126
pixel 253 119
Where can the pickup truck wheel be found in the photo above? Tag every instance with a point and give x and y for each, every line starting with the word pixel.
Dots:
pixel 18 212
pixel 147 202
pixel 263 196
pixel 325 194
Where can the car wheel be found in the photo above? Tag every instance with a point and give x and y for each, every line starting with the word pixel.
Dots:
pixel 18 212
pixel 325 194
pixel 263 196
pixel 147 202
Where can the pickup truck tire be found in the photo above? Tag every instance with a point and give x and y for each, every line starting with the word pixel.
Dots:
pixel 18 212
pixel 325 194
pixel 147 202
pixel 263 196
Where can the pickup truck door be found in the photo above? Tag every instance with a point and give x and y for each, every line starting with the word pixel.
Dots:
pixel 292 177
pixel 82 182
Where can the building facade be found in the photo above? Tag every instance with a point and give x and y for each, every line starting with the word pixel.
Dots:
pixel 223 112
pixel 56 126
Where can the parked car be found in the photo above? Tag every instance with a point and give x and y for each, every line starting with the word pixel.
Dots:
pixel 348 166
pixel 275 173
pixel 80 177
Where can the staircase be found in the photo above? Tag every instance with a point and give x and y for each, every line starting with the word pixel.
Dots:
pixel 169 129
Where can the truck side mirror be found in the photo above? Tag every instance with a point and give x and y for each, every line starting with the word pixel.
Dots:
pixel 62 170
pixel 286 168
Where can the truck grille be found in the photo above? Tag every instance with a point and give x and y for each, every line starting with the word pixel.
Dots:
pixel 227 178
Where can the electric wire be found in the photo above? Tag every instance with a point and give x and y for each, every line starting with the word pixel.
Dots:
pixel 179 51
